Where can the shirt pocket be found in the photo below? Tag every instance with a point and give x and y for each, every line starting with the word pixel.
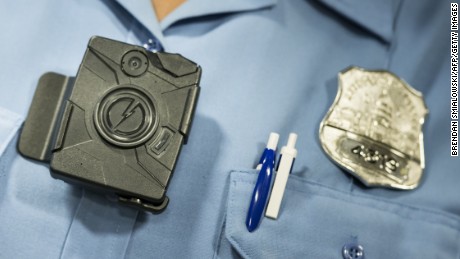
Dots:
pixel 9 125
pixel 316 221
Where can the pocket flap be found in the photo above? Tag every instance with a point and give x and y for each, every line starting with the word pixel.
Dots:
pixel 316 221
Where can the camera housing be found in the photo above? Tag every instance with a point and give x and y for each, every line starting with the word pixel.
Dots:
pixel 119 125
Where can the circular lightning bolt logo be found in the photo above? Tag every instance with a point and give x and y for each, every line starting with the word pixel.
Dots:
pixel 132 105
pixel 125 117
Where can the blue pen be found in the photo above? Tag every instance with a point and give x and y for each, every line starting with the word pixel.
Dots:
pixel 262 189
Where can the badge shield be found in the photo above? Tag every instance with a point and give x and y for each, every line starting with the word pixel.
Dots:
pixel 374 129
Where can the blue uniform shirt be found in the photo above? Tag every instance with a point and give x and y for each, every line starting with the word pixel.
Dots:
pixel 267 66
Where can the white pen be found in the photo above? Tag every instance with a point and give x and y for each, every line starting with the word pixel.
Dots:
pixel 286 162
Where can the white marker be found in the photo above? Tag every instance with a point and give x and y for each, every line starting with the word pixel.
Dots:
pixel 288 155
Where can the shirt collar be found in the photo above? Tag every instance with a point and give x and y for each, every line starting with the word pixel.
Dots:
pixel 375 16
pixel 197 8
pixel 142 10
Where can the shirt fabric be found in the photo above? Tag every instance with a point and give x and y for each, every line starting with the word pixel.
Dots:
pixel 267 66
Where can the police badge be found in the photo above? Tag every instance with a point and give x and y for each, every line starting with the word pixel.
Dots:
pixel 374 129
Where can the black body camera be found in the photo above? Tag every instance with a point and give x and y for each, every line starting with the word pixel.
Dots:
pixel 119 125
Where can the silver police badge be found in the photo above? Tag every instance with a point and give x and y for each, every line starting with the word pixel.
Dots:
pixel 374 129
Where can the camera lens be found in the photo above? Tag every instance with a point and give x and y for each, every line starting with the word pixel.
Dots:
pixel 134 63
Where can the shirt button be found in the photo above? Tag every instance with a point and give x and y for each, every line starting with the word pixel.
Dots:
pixel 353 251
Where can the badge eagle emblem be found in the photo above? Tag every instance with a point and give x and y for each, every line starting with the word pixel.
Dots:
pixel 374 129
